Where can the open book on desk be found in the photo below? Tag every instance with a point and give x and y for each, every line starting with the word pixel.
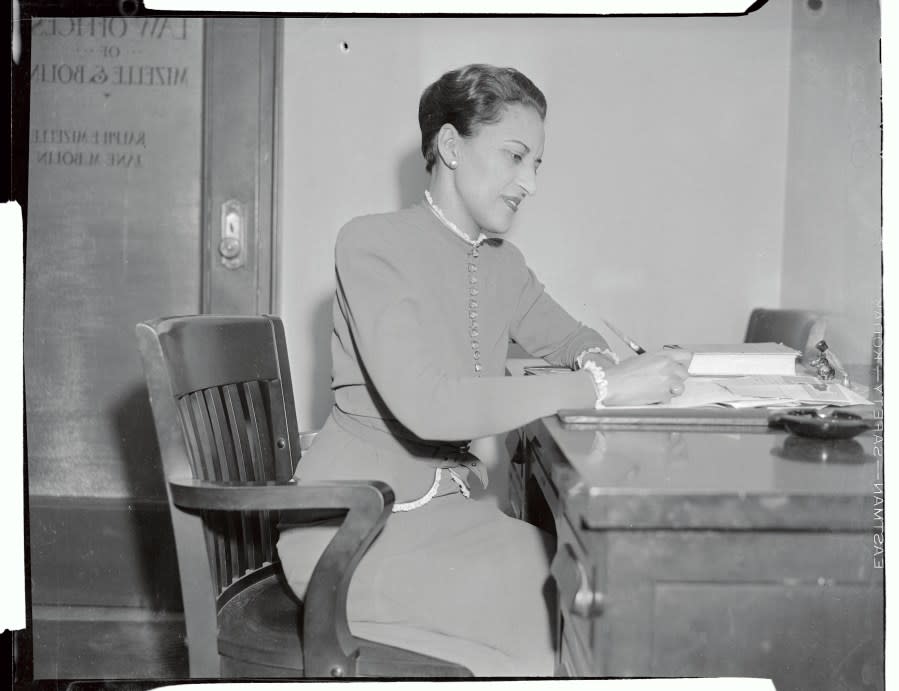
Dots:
pixel 745 400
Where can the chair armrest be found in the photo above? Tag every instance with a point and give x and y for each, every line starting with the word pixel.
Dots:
pixel 280 496
pixel 329 649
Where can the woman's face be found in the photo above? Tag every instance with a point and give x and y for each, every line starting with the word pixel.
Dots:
pixel 498 167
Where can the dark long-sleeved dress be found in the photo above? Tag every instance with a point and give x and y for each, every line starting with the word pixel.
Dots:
pixel 422 322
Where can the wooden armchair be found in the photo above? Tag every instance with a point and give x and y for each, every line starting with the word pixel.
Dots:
pixel 222 402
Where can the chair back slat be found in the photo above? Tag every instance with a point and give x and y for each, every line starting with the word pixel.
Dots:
pixel 239 563
pixel 260 434
pixel 267 527
pixel 218 419
pixel 208 460
pixel 219 560
pixel 211 550
pixel 232 402
pixel 249 539
pixel 234 410
pixel 190 435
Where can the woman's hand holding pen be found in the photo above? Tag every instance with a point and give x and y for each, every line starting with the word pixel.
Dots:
pixel 647 379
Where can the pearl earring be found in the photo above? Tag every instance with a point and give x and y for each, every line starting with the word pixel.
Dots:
pixel 453 164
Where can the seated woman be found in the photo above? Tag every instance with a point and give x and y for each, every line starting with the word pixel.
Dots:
pixel 427 299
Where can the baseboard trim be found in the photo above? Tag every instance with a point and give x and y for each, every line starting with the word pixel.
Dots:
pixel 79 613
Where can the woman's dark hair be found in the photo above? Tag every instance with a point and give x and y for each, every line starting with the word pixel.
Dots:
pixel 470 96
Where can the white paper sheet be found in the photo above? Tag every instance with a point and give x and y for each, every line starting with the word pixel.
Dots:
pixel 760 391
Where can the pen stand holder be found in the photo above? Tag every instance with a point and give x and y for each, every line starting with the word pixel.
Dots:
pixel 826 365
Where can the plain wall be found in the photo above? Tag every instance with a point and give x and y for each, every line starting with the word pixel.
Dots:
pixel 661 198
pixel 832 240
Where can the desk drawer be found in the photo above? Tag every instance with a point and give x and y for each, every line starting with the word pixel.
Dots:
pixel 574 573
pixel 803 636
pixel 704 556
pixel 537 465
pixel 802 608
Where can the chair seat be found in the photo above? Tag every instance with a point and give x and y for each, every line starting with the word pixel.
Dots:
pixel 262 624
pixel 260 636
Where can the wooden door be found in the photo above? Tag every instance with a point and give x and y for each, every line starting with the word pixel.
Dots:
pixel 149 194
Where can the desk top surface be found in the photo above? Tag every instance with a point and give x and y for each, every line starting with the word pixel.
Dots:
pixel 703 478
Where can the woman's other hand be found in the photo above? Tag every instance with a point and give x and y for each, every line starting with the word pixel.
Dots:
pixel 647 379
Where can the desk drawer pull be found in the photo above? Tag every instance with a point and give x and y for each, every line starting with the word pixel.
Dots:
pixel 575 594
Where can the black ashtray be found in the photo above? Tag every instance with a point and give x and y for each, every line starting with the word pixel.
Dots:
pixel 822 424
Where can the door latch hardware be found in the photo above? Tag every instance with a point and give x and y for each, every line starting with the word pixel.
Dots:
pixel 233 243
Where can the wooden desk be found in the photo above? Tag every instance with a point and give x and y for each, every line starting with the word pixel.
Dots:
pixel 709 553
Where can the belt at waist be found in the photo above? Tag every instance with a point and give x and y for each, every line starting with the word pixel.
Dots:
pixel 391 436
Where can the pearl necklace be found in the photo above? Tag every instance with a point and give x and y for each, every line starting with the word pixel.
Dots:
pixel 438 212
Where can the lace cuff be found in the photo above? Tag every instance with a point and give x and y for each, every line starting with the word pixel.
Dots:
pixel 421 501
pixel 431 493
pixel 599 382
pixel 605 352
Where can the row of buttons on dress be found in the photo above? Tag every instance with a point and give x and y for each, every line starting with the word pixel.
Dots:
pixel 473 308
